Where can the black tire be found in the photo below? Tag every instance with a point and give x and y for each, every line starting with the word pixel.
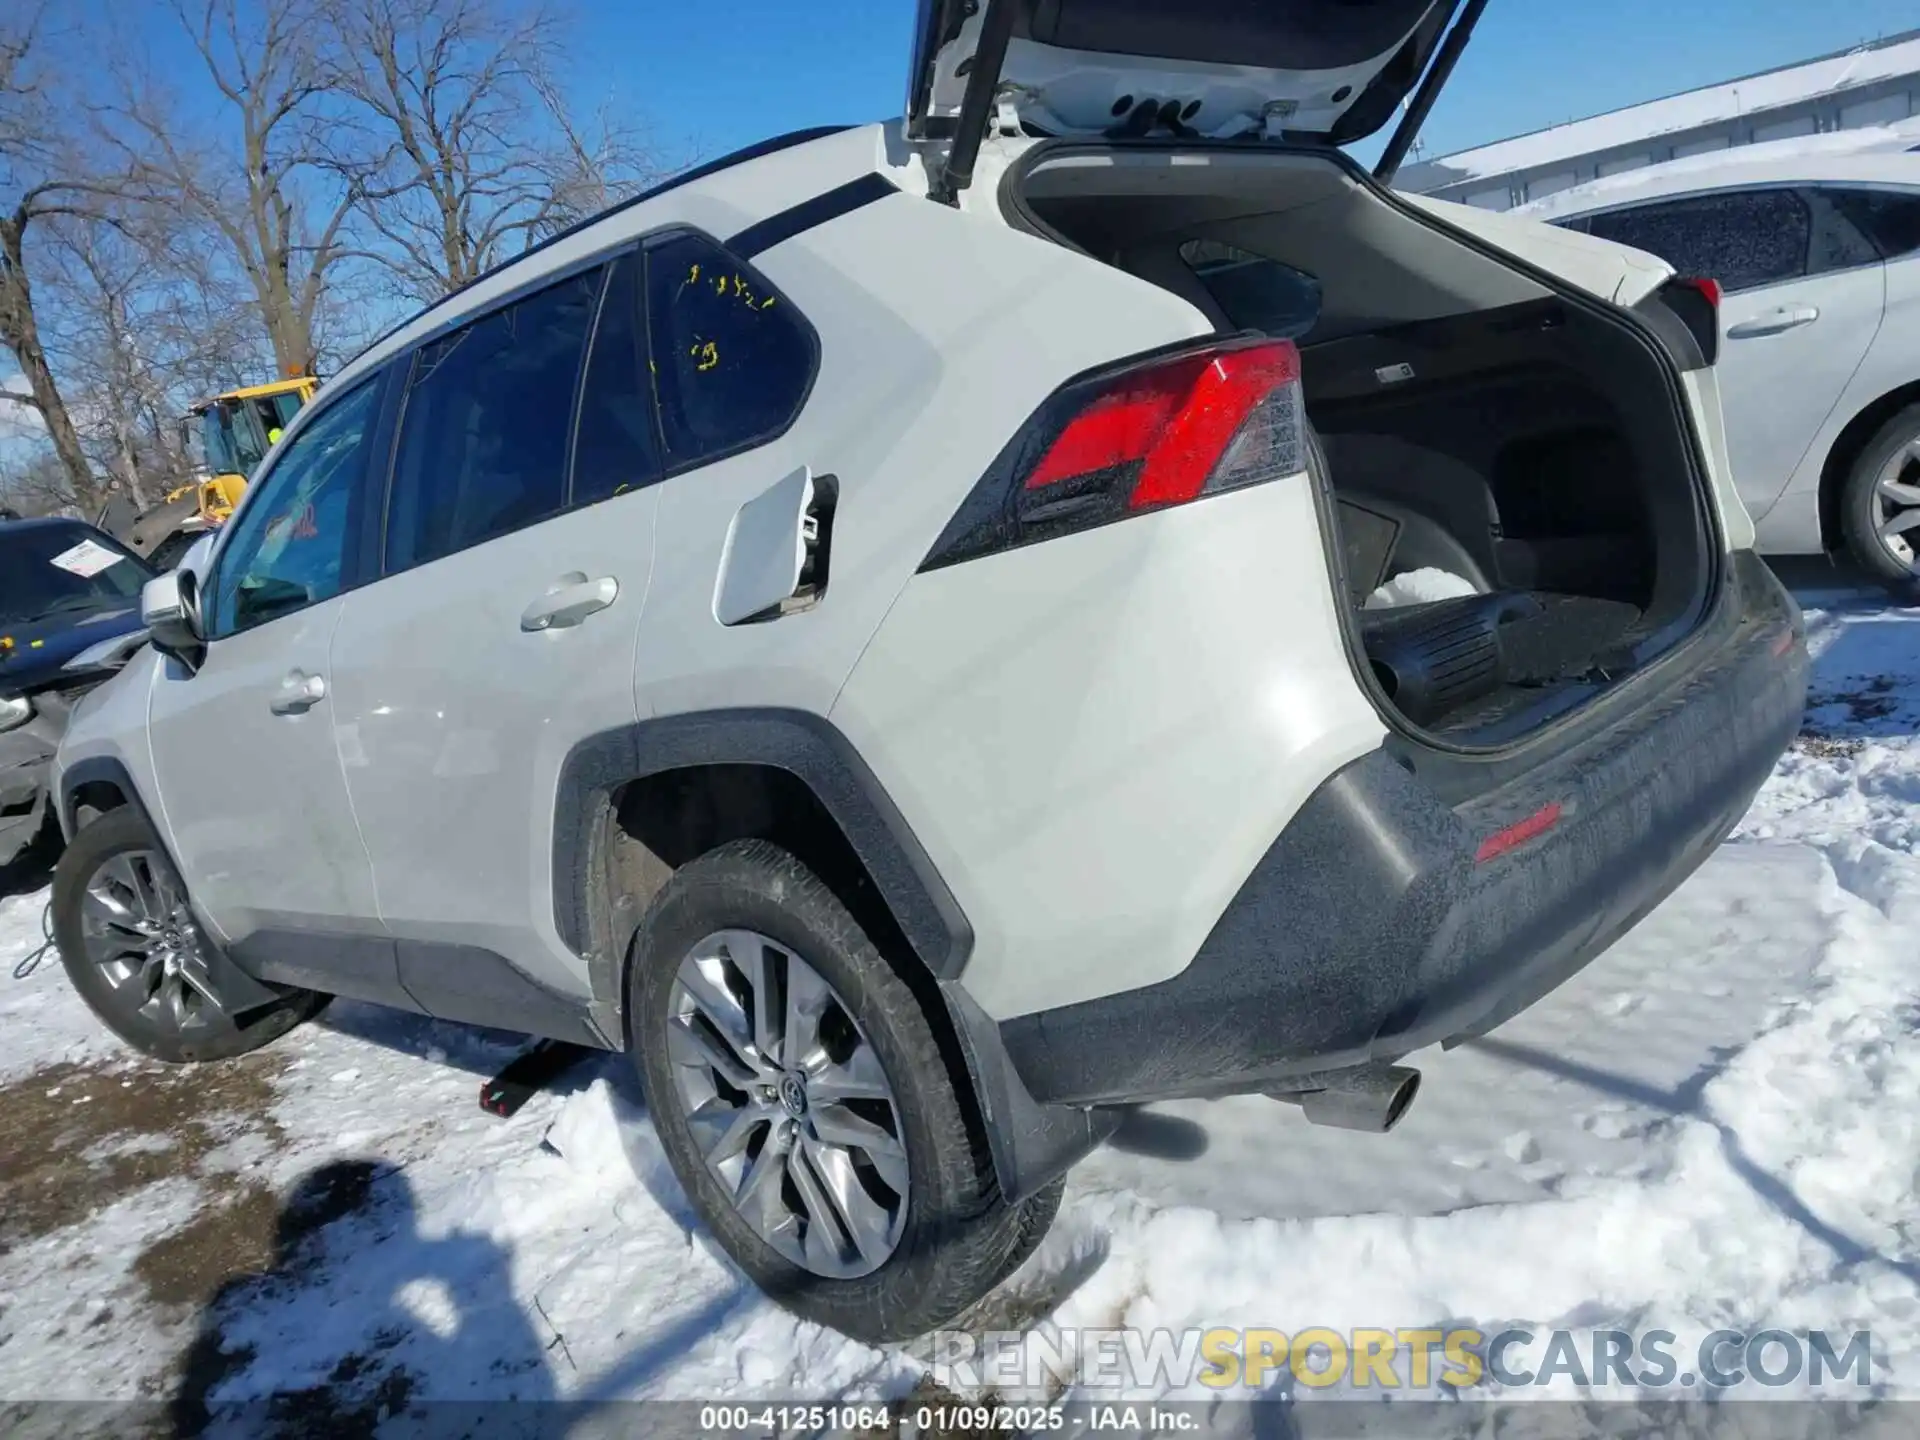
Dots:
pixel 1037 1214
pixel 113 834
pixel 958 1234
pixel 1859 505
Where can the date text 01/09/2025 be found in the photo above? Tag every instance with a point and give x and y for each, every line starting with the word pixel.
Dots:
pixel 940 1419
pixel 960 1417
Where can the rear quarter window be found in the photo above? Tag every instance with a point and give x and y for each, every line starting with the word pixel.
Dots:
pixel 732 358
pixel 1255 292
pixel 1839 241
pixel 1890 218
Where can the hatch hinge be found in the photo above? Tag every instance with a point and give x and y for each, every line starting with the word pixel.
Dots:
pixel 981 102
pixel 1007 111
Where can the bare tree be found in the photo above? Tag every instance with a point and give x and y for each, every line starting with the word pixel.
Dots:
pixel 34 484
pixel 475 154
pixel 186 231
pixel 150 326
pixel 262 182
pixel 592 164
pixel 41 177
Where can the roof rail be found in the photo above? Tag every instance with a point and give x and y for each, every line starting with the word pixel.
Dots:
pixel 685 177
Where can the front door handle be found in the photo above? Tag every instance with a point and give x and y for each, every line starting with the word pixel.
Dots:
pixel 299 693
pixel 571 599
pixel 1774 322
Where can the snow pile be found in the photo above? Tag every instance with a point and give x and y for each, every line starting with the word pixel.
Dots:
pixel 42 1004
pixel 1769 1189
pixel 1420 587
pixel 604 1136
pixel 1716 1125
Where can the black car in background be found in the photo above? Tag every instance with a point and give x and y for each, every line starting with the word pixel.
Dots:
pixel 69 617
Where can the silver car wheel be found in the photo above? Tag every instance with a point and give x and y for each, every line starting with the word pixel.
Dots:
pixel 788 1103
pixel 1896 499
pixel 141 935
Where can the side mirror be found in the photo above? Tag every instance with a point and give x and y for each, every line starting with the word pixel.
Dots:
pixel 196 557
pixel 170 609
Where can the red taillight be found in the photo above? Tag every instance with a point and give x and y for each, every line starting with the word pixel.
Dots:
pixel 1709 288
pixel 1696 301
pixel 1155 434
pixel 1120 427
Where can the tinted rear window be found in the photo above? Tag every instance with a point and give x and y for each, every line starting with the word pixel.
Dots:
pixel 616 449
pixel 732 358
pixel 1743 239
pixel 1891 218
pixel 483 438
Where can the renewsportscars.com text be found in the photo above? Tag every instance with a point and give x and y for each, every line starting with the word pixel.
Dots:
pixel 1400 1359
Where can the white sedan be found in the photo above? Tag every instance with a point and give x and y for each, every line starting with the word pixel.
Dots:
pixel 1817 255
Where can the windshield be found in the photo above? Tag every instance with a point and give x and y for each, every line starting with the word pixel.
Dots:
pixel 233 437
pixel 63 569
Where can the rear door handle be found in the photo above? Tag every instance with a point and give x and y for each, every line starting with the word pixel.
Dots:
pixel 299 693
pixel 1774 321
pixel 571 599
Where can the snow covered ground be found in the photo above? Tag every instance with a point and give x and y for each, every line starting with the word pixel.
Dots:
pixel 1716 1125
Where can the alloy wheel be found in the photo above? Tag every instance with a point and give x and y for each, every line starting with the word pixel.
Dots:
pixel 1896 504
pixel 788 1103
pixel 140 933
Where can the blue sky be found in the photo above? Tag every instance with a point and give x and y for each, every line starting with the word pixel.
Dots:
pixel 709 77
pixel 726 73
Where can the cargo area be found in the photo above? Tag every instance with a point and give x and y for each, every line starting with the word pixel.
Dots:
pixel 1518 518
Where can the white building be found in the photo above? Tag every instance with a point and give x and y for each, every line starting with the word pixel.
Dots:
pixel 1877 84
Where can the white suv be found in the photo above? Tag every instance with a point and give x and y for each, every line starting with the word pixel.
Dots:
pixel 908 661
pixel 1818 255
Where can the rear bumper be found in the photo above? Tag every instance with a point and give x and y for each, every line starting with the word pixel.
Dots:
pixel 1378 923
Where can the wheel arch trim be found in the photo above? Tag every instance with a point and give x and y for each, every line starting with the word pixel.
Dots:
pixel 797 741
pixel 97 770
pixel 1030 1143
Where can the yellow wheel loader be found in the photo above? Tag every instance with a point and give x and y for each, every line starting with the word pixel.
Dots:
pixel 226 436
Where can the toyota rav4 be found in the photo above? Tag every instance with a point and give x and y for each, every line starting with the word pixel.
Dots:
pixel 894 630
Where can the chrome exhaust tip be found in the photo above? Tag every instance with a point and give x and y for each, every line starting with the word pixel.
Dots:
pixel 1372 1098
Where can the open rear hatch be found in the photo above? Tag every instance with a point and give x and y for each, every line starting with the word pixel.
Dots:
pixel 1516 503
pixel 1289 71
